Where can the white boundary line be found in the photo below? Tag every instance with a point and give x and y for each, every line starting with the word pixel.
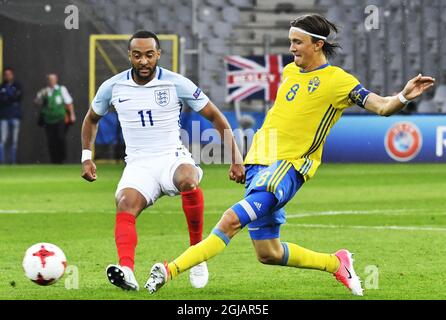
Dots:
pixel 332 226
pixel 361 212
pixel 51 211
pixel 353 212
pixel 81 211
pixel 300 215
pixel 288 216
pixel 291 216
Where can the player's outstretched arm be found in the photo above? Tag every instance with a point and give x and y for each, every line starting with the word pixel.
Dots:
pixel 89 130
pixel 219 121
pixel 387 106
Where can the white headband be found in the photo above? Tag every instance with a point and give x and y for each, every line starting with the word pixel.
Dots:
pixel 309 33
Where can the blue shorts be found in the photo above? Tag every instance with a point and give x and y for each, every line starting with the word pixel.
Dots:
pixel 283 181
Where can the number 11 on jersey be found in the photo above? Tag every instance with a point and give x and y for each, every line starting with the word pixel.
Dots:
pixel 149 113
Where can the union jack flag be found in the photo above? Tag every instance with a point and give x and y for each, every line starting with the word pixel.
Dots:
pixel 254 77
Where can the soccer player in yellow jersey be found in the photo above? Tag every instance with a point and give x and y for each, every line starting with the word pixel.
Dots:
pixel 287 151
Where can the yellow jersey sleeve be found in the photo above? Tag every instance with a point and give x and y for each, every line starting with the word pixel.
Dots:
pixel 286 71
pixel 342 84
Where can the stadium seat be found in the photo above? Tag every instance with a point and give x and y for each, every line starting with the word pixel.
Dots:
pixel 354 16
pixel 214 64
pixel 231 15
pixel 183 13
pixel 291 6
pixel 163 14
pixel 216 3
pixel 242 3
pixel 335 14
pixel 202 28
pixel 247 21
pixel 282 24
pixel 394 4
pixel 216 46
pixel 207 14
pixel 327 3
pixel 221 29
pixel 349 3
pixel 221 79
pixel 348 64
pixel 127 26
pixel 440 98
pixel 414 46
pixel 431 29
pixel 426 106
pixel 284 7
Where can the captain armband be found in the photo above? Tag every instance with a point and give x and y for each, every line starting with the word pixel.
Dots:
pixel 359 95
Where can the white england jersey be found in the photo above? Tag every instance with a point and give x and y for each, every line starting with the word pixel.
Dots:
pixel 149 114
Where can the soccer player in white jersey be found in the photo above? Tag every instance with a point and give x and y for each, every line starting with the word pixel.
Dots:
pixel 148 100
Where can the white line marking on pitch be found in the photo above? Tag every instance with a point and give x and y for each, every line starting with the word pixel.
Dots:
pixel 353 212
pixel 50 211
pixel 149 211
pixel 331 226
pixel 289 216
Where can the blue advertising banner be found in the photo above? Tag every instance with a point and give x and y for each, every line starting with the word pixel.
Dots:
pixel 109 131
pixel 368 138
pixel 355 138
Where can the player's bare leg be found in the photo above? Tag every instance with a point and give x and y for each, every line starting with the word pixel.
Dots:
pixel 186 179
pixel 129 204
pixel 269 251
pixel 340 264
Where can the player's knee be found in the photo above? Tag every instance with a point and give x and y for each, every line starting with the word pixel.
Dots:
pixel 186 177
pixel 268 258
pixel 127 204
pixel 229 223
pixel 123 203
pixel 267 255
pixel 188 184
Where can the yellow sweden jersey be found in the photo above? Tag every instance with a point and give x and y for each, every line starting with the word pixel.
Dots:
pixel 307 105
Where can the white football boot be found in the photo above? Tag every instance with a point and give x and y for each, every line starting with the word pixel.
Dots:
pixel 122 277
pixel 199 275
pixel 159 274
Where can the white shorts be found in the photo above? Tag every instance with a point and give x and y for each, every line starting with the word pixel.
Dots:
pixel 153 177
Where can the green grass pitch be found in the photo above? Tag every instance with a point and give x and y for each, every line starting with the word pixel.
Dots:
pixel 393 217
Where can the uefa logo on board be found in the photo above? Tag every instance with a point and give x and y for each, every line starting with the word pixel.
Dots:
pixel 403 141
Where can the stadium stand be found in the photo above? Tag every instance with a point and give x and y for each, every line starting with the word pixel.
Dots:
pixel 440 98
pixel 383 58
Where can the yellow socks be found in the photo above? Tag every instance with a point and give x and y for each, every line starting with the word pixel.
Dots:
pixel 215 243
pixel 295 256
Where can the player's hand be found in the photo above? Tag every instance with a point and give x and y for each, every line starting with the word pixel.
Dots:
pixel 237 173
pixel 416 86
pixel 89 170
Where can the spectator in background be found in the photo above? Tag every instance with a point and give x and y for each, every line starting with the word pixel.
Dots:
pixel 56 115
pixel 10 97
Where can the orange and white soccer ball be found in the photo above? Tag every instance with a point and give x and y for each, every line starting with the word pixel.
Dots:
pixel 44 263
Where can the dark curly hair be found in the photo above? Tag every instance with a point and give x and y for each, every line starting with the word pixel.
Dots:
pixel 143 34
